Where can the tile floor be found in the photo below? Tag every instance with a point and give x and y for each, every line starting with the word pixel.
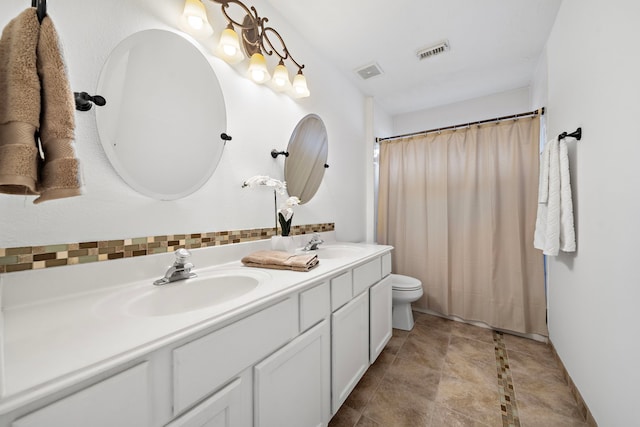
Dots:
pixel 445 373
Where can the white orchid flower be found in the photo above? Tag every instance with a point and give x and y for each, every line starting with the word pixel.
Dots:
pixel 286 209
pixel 279 186
pixel 292 201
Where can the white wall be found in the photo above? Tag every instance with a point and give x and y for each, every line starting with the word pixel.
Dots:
pixel 258 120
pixel 594 293
pixel 540 83
pixel 486 107
pixel 379 124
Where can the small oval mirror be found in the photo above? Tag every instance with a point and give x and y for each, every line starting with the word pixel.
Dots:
pixel 308 148
pixel 164 115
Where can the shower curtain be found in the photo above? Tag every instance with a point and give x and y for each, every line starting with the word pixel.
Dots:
pixel 460 207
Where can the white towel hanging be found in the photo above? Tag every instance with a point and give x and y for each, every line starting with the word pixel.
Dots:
pixel 554 222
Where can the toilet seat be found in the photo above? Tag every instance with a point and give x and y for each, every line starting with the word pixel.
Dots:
pixel 405 283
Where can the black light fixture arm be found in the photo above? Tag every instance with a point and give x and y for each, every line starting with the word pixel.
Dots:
pixel 252 13
pixel 285 52
pixel 275 153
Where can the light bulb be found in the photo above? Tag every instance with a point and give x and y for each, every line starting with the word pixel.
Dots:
pixel 229 41
pixel 258 68
pixel 280 76
pixel 229 46
pixel 230 50
pixel 195 20
pixel 257 75
pixel 300 85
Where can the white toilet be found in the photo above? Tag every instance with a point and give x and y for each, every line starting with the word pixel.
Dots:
pixel 405 290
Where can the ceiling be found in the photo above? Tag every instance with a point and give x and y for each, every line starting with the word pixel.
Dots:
pixel 494 45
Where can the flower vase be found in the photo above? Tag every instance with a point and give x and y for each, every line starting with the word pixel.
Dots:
pixel 283 243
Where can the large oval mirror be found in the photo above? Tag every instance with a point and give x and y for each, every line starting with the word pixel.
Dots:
pixel 308 148
pixel 164 115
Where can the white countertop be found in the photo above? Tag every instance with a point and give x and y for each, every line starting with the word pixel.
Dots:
pixel 69 324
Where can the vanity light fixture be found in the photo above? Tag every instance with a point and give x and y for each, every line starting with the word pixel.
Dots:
pixel 257 41
pixel 194 19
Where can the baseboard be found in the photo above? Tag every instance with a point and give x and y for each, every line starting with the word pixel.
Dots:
pixel 582 405
pixel 536 337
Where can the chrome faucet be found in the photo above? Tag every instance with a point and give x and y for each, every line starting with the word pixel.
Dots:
pixel 313 243
pixel 180 269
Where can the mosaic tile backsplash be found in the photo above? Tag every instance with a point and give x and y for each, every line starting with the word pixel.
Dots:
pixel 37 257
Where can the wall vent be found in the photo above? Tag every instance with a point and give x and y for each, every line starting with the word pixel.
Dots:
pixel 433 50
pixel 369 71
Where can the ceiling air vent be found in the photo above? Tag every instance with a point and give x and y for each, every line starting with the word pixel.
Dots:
pixel 433 50
pixel 369 71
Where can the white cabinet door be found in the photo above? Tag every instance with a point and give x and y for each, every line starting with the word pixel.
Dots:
pixel 349 348
pixel 380 317
pixel 203 365
pixel 292 385
pixel 226 408
pixel 122 400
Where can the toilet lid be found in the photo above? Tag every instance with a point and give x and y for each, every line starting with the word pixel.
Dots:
pixel 405 287
pixel 405 283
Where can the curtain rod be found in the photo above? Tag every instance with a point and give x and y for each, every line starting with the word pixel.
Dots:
pixel 497 119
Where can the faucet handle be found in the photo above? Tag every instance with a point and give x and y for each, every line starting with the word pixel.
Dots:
pixel 182 255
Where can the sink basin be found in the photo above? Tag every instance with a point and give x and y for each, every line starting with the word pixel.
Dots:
pixel 337 251
pixel 191 294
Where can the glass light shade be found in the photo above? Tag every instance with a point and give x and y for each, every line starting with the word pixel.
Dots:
pixel 300 88
pixel 280 77
pixel 258 68
pixel 229 46
pixel 194 19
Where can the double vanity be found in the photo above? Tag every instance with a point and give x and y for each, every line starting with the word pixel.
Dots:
pixel 100 345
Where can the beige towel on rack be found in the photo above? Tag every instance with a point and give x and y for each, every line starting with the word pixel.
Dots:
pixel 554 222
pixel 281 260
pixel 35 96
pixel 19 105
pixel 60 172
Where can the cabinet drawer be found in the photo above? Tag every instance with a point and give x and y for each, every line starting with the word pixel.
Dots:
pixel 229 407
pixel 386 264
pixel 366 275
pixel 341 290
pixel 203 365
pixel 121 400
pixel 314 305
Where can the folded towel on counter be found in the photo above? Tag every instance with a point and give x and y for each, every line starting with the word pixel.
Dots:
pixel 281 260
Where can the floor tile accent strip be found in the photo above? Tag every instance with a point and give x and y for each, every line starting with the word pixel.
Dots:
pixel 508 405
